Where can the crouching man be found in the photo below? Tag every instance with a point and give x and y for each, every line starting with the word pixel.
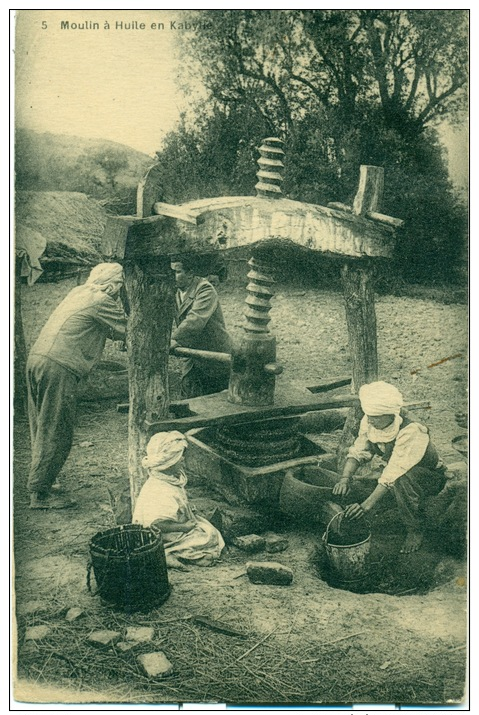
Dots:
pixel 413 471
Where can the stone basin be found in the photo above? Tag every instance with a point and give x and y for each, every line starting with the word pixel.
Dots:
pixel 253 485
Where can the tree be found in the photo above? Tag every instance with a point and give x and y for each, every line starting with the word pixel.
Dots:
pixel 344 88
pixel 410 63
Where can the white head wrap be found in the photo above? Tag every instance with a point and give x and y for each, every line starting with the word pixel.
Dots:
pixel 164 450
pixel 380 398
pixel 105 273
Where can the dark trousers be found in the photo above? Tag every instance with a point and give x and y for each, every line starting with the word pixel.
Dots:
pixel 52 392
pixel 411 491
pixel 198 381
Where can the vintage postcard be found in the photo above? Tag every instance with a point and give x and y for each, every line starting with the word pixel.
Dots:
pixel 241 358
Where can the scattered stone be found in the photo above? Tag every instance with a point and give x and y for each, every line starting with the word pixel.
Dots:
pixel 269 572
pixel 86 444
pixel 275 543
pixel 104 639
pixel 125 646
pixel 37 633
pixel 33 607
pixel 155 665
pixel 73 614
pixel 140 634
pixel 251 543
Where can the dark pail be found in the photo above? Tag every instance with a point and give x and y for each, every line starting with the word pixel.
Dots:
pixel 129 565
pixel 349 561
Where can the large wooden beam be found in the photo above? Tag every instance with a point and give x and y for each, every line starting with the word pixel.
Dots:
pixel 150 289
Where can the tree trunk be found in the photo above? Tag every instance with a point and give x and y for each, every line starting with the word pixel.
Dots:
pixel 358 288
pixel 20 353
pixel 150 289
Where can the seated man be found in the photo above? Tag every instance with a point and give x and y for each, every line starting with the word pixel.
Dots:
pixel 163 504
pixel 199 325
pixel 413 471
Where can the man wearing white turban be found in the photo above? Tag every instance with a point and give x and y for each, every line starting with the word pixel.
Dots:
pixel 413 469
pixel 67 348
pixel 163 504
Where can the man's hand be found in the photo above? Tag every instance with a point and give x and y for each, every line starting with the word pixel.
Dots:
pixel 343 487
pixel 354 511
pixel 173 345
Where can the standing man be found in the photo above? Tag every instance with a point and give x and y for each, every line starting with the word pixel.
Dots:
pixel 67 348
pixel 200 325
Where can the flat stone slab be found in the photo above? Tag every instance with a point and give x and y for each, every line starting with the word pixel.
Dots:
pixel 252 543
pixel 274 543
pixel 37 633
pixel 155 665
pixel 33 607
pixel 269 572
pixel 125 646
pixel 140 634
pixel 73 614
pixel 104 639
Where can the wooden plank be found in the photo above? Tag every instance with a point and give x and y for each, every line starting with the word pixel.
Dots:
pixel 330 383
pixel 174 211
pixel 149 191
pixel 240 416
pixel 388 220
pixel 340 206
pixel 370 190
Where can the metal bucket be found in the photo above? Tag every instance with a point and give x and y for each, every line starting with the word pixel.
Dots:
pixel 129 565
pixel 348 562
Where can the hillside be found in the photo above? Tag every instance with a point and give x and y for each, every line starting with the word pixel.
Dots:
pixel 52 162
pixel 71 223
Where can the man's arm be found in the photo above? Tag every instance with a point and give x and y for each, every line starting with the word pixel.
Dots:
pixel 110 313
pixel 356 511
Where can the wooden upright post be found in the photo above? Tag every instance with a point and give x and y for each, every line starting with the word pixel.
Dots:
pixel 150 289
pixel 20 352
pixel 357 277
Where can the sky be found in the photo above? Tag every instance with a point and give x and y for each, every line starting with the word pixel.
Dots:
pixel 117 83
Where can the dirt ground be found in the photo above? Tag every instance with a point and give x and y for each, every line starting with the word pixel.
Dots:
pixel 307 643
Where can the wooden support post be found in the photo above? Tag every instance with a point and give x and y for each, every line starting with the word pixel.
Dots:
pixel 20 352
pixel 150 289
pixel 358 287
pixel 370 190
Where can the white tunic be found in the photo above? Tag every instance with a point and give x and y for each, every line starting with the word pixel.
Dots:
pixel 163 496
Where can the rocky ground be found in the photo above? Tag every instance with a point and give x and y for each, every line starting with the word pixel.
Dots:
pixel 306 643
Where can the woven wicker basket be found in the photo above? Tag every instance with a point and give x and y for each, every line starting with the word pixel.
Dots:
pixel 129 566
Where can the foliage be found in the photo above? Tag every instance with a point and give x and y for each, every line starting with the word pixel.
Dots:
pixel 343 88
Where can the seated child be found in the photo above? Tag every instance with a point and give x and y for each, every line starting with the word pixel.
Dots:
pixel 163 503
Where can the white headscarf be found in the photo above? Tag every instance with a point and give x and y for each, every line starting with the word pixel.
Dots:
pixel 380 398
pixel 104 274
pixel 164 450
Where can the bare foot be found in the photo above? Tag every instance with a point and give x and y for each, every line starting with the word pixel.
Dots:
pixel 413 542
pixel 173 563
pixel 205 561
